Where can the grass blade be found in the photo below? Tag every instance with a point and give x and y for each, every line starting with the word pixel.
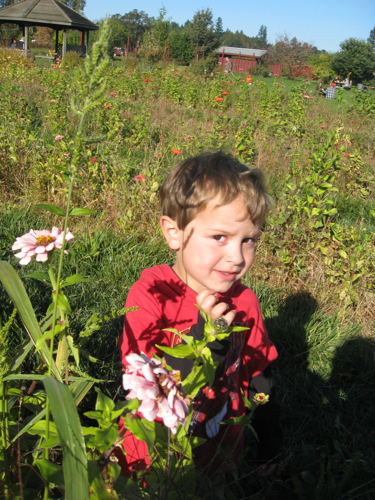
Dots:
pixel 70 433
pixel 16 291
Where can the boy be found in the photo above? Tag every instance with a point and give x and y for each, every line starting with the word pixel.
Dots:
pixel 213 208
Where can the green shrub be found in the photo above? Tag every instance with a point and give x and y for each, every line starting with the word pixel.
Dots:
pixel 72 59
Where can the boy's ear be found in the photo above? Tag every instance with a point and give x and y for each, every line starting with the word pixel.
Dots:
pixel 170 231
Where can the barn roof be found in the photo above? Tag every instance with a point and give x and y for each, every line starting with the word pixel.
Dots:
pixel 50 13
pixel 235 51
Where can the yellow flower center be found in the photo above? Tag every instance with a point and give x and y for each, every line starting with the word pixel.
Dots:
pixel 45 240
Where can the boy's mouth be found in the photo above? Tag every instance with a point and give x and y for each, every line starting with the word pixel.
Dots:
pixel 226 276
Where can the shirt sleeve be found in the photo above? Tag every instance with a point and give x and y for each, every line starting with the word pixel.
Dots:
pixel 143 328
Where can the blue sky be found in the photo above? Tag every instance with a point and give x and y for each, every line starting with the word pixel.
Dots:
pixel 323 23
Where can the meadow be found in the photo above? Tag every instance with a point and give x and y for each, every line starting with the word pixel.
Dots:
pixel 314 271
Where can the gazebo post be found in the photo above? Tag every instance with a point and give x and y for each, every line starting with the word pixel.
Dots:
pixel 26 39
pixel 64 44
pixel 57 43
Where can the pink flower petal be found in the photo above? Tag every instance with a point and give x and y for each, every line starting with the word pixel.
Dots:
pixel 25 261
pixel 42 257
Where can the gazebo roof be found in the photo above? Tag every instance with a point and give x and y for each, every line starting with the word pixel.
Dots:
pixel 50 13
pixel 235 51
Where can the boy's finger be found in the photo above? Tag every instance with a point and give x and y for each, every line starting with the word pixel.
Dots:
pixel 230 317
pixel 218 311
pixel 206 294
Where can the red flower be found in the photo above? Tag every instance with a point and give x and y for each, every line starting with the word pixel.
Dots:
pixel 278 83
pixel 139 178
pixel 108 106
pixel 219 99
pixel 94 160
pixel 147 80
pixel 53 81
pixel 323 126
pixel 225 93
pixel 133 64
pixel 63 72
pixel 113 94
pixel 176 152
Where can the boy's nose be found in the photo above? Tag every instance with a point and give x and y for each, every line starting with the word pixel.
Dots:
pixel 235 255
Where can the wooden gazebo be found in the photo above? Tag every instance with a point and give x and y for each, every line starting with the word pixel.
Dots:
pixel 50 13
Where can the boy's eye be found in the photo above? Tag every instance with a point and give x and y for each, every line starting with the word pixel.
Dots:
pixel 249 241
pixel 218 237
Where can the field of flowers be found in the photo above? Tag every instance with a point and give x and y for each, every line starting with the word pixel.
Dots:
pixel 105 139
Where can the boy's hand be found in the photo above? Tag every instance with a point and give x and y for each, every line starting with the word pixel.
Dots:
pixel 208 301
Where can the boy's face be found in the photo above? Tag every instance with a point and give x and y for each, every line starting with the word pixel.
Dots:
pixel 216 248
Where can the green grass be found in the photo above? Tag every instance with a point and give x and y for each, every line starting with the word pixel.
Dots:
pixel 325 372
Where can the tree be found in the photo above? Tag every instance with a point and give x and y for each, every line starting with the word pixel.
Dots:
pixel 180 46
pixel 321 65
pixel 262 36
pixel 357 59
pixel 219 31
pixel 239 39
pixel 202 30
pixel 136 24
pixel 77 5
pixel 371 38
pixel 290 53
pixel 153 45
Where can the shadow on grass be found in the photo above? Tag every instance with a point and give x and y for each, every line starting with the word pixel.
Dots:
pixel 325 376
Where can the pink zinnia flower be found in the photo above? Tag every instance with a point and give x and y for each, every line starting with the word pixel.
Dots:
pixel 59 137
pixel 94 160
pixel 139 178
pixel 39 243
pixel 53 100
pixel 159 390
pixel 46 91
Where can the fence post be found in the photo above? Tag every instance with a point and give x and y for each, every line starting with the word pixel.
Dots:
pixel 169 48
pixel 222 60
pixel 127 48
pixel 165 50
pixel 252 64
pixel 136 50
pixel 239 62
pixel 196 50
pixel 203 55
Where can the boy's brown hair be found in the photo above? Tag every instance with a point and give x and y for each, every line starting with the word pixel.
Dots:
pixel 194 182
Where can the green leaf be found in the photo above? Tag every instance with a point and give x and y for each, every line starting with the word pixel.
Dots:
pixel 20 356
pixel 71 280
pixel 48 336
pixel 180 351
pixel 70 433
pixel 78 212
pixel 79 389
pixel 73 348
pixel 51 208
pixel 51 472
pixel 97 484
pixel 194 382
pixel 103 439
pixel 244 420
pixel 39 276
pixel 104 403
pixel 16 291
pixel 208 365
pixel 63 302
pixel 23 376
pixel 142 429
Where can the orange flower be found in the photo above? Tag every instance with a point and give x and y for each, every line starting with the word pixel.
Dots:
pixel 175 152
pixel 63 72
pixel 133 64
pixel 147 80
pixel 219 99
pixel 108 106
pixel 225 93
